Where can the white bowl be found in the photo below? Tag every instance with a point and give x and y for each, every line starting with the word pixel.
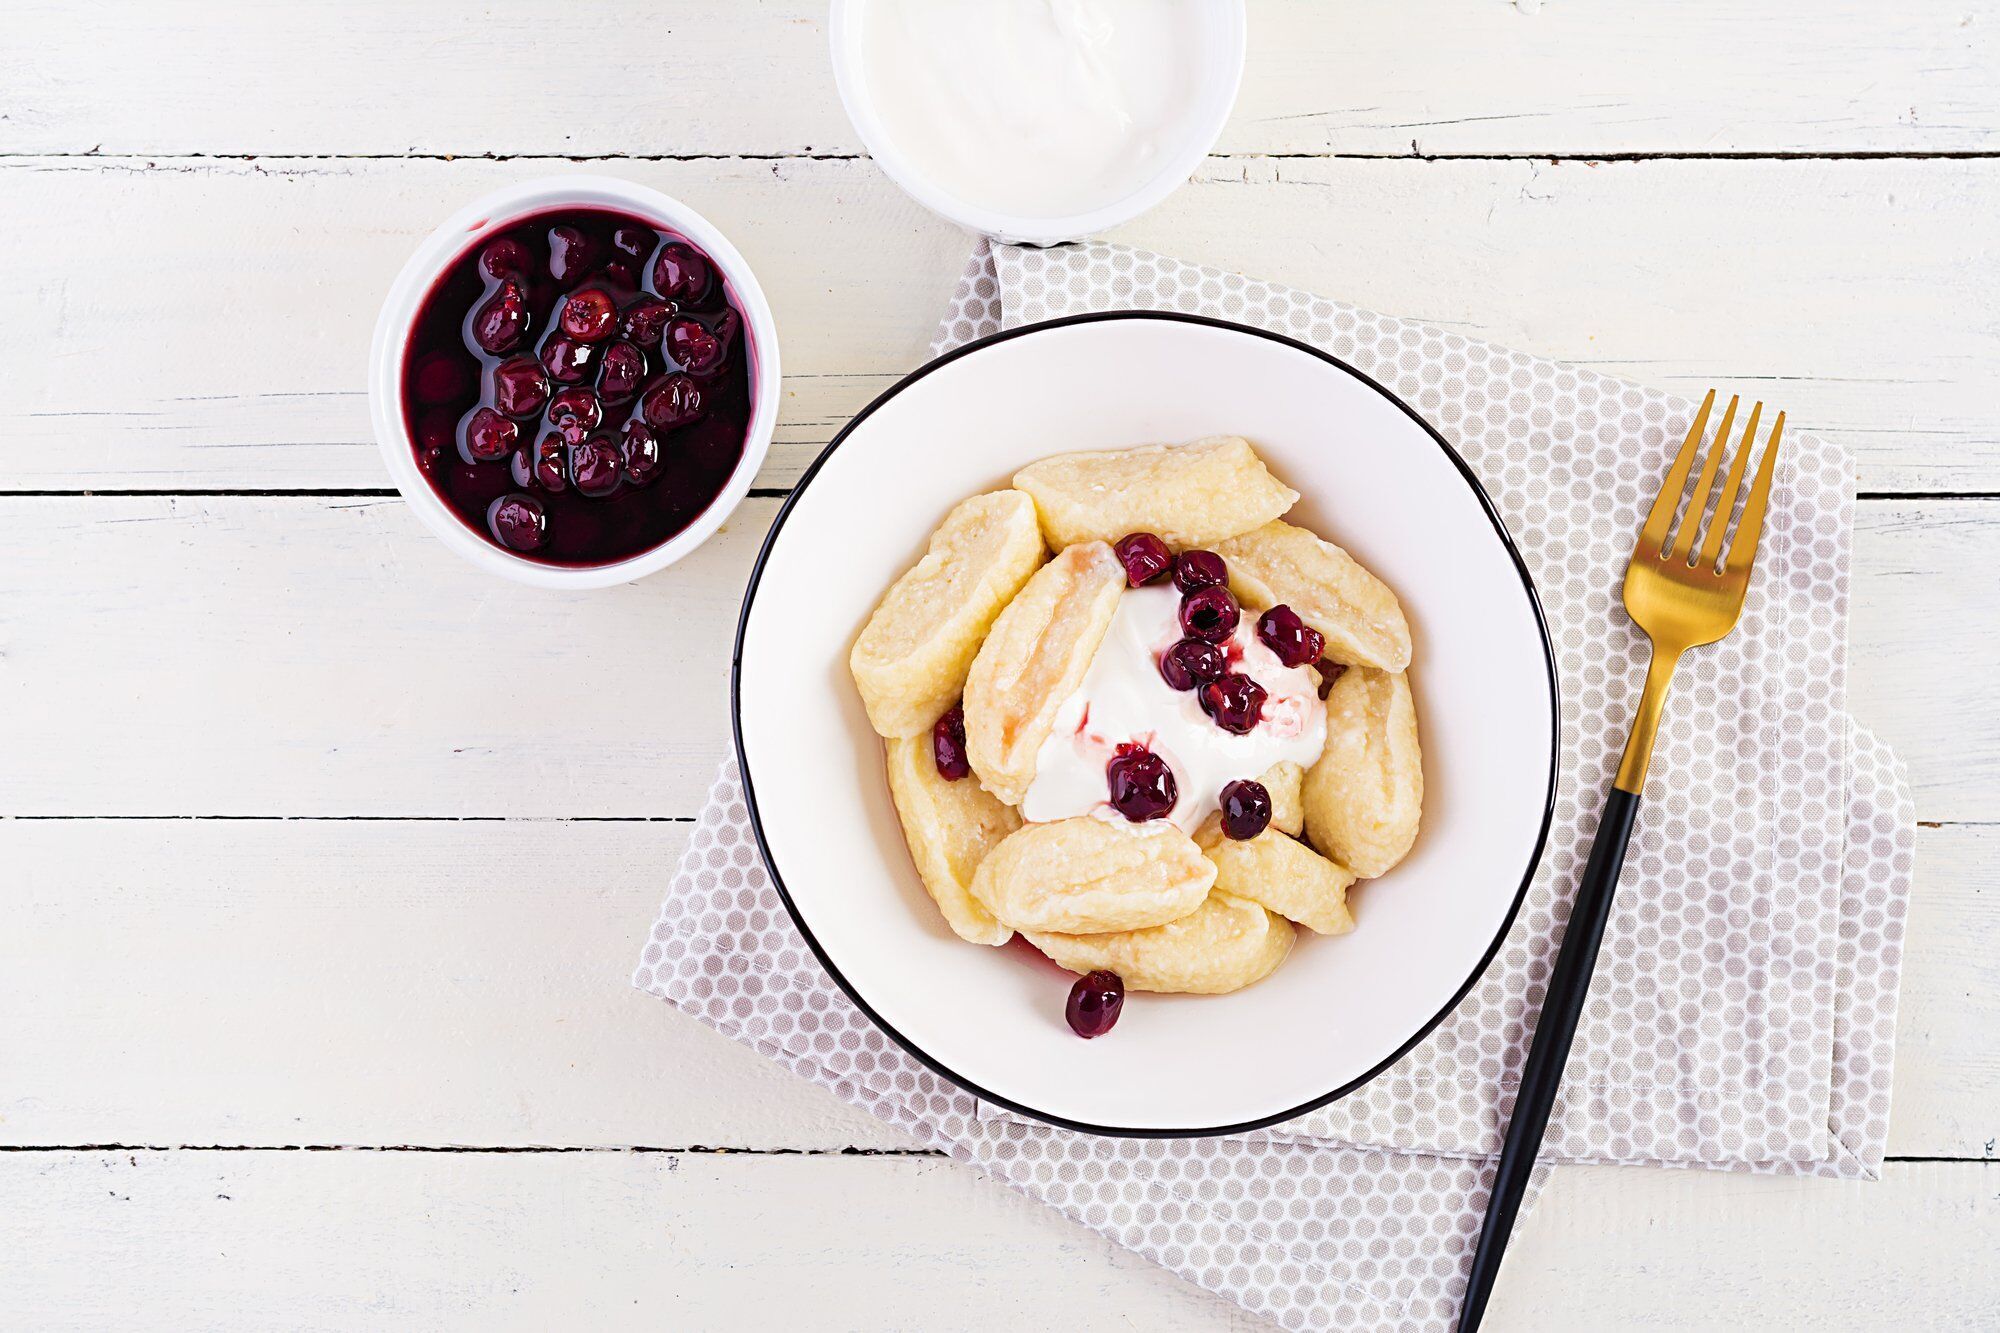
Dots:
pixel 470 228
pixel 1212 102
pixel 1377 479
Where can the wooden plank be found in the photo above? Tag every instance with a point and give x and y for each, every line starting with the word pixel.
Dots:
pixel 339 1240
pixel 1685 1250
pixel 251 392
pixel 283 982
pixel 384 981
pixel 1948 1022
pixel 599 1240
pixel 304 655
pixel 1922 647
pixel 308 656
pixel 363 982
pixel 1432 76
pixel 1679 274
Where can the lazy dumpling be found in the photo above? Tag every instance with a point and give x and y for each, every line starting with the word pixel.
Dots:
pixel 1224 945
pixel 1187 494
pixel 1360 617
pixel 950 828
pixel 1086 876
pixel 911 660
pixel 1276 871
pixel 1365 796
pixel 1033 660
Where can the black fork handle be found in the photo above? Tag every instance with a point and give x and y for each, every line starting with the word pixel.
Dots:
pixel 1554 1031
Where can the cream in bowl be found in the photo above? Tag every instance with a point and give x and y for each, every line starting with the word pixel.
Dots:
pixel 1209 713
pixel 1038 120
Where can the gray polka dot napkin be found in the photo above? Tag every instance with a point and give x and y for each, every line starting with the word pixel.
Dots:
pixel 1743 1014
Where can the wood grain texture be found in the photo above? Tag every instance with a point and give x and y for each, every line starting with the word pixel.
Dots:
pixel 1924 646
pixel 615 1240
pixel 208 199
pixel 1677 274
pixel 1412 76
pixel 365 982
pixel 309 655
pixel 1948 1022
pixel 281 982
pixel 251 655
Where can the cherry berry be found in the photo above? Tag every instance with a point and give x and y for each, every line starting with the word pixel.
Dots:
pixel 1142 786
pixel 698 351
pixel 643 456
pixel 1234 701
pixel 1246 809
pixel 623 368
pixel 505 258
pixel 548 470
pixel 489 436
pixel 1191 663
pixel 674 402
pixel 727 326
pixel 575 412
pixel 646 321
pixel 632 242
pixel 589 315
pixel 596 466
pixel 680 273
pixel 1094 1003
pixel 519 386
pixel 1210 614
pixel 1295 642
pixel 1194 570
pixel 1144 556
pixel 567 360
pixel 571 253
pixel 518 523
pixel 497 325
pixel 948 746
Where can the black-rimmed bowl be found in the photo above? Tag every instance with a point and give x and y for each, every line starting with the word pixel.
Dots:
pixel 1376 479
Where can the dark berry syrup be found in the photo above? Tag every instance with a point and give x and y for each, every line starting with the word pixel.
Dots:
pixel 578 386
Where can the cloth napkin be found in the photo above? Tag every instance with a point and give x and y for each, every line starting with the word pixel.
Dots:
pixel 1743 1011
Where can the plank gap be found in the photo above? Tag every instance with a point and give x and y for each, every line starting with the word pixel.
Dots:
pixel 74 817
pixel 754 493
pixel 310 492
pixel 1415 154
pixel 490 1150
pixel 356 819
pixel 633 1149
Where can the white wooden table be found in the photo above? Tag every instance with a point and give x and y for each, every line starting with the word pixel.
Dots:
pixel 314 935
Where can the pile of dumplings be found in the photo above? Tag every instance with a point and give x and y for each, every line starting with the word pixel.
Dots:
pixel 1003 615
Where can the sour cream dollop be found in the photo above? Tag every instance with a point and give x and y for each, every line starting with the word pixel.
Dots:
pixel 1041 108
pixel 1124 700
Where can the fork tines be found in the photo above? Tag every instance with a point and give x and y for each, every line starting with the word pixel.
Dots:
pixel 1663 540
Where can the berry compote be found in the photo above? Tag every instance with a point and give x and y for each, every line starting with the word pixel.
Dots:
pixel 578 386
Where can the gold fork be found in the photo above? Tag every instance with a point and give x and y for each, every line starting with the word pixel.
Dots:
pixel 1683 596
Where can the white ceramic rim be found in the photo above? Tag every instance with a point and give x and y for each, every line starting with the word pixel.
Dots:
pixel 1226 77
pixel 496 212
pixel 1545 796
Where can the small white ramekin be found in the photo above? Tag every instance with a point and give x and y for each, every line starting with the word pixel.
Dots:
pixel 470 227
pixel 1215 99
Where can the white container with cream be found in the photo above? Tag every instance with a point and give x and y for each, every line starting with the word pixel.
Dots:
pixel 1038 120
